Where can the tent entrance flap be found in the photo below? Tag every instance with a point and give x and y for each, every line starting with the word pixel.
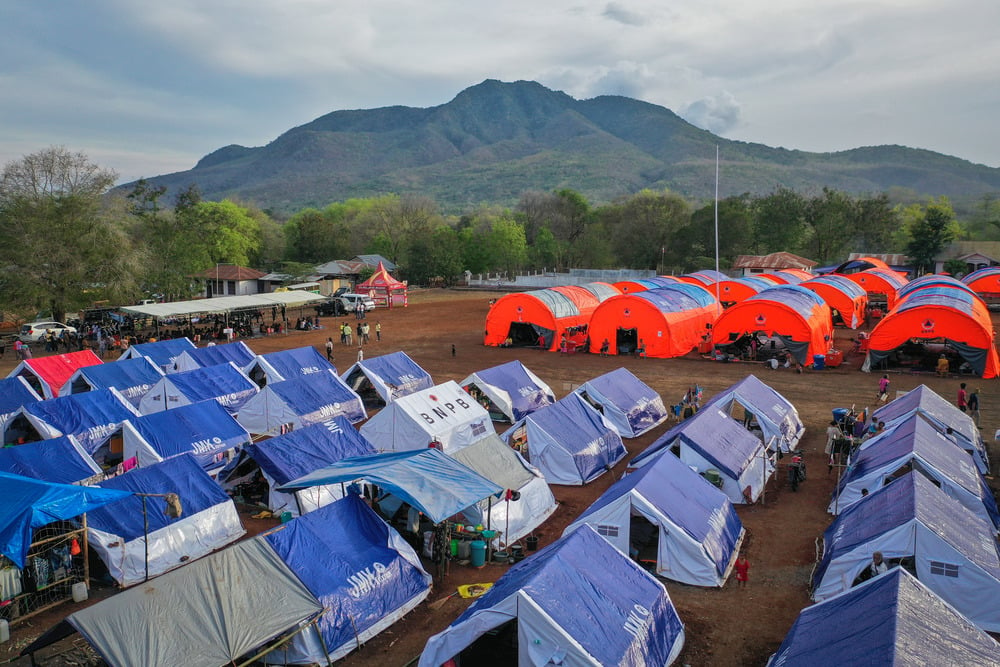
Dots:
pixel 799 350
pixel 626 340
pixel 525 334
pixel 644 541
pixel 497 647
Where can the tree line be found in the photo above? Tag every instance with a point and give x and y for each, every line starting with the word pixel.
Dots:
pixel 67 240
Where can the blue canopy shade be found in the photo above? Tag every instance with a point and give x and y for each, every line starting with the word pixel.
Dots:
pixel 892 619
pixel 61 460
pixel 131 377
pixel 204 429
pixel 91 417
pixel 428 479
pixel 587 592
pixel 688 500
pixel 290 456
pixel 163 353
pixel 27 504
pixel 351 561
pixel 181 475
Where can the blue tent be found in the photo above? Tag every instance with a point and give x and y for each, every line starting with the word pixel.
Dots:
pixel 358 567
pixel 131 377
pixel 202 357
pixel 428 479
pixel 92 418
pixel 914 522
pixel 569 441
pixel 631 405
pixel 163 353
pixel 943 414
pixel 512 390
pixel 712 440
pixel 62 460
pixel 27 504
pixel 224 383
pixel 577 602
pixel 301 401
pixel 699 533
pixel 381 380
pixel 117 531
pixel 287 457
pixel 286 365
pixel 765 409
pixel 203 429
pixel 890 620
pixel 914 442
pixel 15 393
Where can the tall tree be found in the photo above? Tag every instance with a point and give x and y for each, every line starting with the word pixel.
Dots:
pixel 642 225
pixel 62 245
pixel 778 222
pixel 930 231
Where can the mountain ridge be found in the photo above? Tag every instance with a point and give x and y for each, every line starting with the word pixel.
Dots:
pixel 495 140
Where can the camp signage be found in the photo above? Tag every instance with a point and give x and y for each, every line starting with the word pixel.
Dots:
pixel 443 410
pixel 364 582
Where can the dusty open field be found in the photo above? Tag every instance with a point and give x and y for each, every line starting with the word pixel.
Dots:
pixel 724 627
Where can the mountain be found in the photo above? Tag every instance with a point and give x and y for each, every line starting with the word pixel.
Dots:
pixel 496 140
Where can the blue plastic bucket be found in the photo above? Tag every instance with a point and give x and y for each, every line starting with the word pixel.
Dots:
pixel 477 555
pixel 819 361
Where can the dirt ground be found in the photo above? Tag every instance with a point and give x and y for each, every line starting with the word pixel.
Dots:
pixel 723 627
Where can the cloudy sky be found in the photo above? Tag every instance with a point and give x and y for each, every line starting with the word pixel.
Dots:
pixel 149 88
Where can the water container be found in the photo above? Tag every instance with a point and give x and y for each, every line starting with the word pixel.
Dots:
pixel 531 542
pixel 714 476
pixel 478 553
pixel 286 517
pixel 464 550
pixel 4 631
pixel 819 361
pixel 79 591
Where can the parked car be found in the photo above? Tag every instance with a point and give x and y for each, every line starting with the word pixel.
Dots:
pixel 35 331
pixel 350 302
pixel 331 306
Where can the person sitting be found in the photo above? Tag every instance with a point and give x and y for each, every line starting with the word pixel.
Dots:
pixel 508 342
pixel 605 347
pixel 641 350
pixel 942 366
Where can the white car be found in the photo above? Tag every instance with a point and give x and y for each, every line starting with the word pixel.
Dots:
pixel 35 332
pixel 350 302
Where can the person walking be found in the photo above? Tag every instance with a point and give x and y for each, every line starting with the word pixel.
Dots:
pixel 883 389
pixel 962 400
pixel 329 350
pixel 378 331
pixel 742 568
pixel 972 402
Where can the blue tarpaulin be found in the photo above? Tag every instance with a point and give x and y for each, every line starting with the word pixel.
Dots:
pixel 516 391
pixel 91 417
pixel 631 406
pixel 391 375
pixel 212 355
pixel 224 383
pixel 428 479
pixel 288 364
pixel 15 393
pixel 301 401
pixel 890 620
pixel 204 429
pixel 577 602
pixel 163 353
pixel 290 456
pixel 131 377
pixel 27 504
pixel 358 567
pixel 60 460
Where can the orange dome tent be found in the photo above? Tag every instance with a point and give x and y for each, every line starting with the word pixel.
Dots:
pixel 796 315
pixel 643 284
pixel 937 313
pixel 985 282
pixel 546 314
pixel 843 295
pixel 734 290
pixel 794 276
pixel 665 322
pixel 880 284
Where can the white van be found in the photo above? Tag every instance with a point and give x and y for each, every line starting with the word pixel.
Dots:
pixel 350 302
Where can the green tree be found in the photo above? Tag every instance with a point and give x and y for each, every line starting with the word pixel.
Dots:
pixel 641 226
pixel 62 244
pixel 930 231
pixel 507 246
pixel 778 222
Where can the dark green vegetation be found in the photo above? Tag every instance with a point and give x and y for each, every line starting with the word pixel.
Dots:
pixel 495 141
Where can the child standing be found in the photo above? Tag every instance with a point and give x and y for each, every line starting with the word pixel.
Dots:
pixel 883 389
pixel 742 571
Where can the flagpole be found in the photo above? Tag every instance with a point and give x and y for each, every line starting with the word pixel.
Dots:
pixel 718 298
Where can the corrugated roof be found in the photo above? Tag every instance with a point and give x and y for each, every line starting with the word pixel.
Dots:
pixel 961 249
pixel 340 267
pixel 776 260
pixel 230 272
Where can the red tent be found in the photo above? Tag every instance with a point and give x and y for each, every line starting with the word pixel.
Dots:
pixel 796 315
pixel 843 295
pixel 665 322
pixel 548 314
pixel 48 374
pixel 383 288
